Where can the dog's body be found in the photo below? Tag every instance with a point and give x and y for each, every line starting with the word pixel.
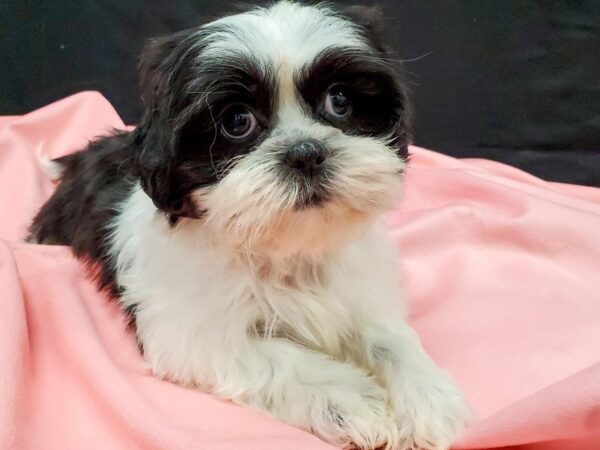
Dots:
pixel 246 245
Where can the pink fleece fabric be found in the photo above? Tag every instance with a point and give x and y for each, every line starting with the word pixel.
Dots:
pixel 502 272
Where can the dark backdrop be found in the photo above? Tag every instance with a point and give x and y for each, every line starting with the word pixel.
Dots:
pixel 516 81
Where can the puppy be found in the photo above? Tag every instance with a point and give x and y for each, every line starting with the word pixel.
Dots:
pixel 238 225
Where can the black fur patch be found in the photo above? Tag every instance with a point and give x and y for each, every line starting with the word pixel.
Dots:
pixel 94 182
pixel 371 21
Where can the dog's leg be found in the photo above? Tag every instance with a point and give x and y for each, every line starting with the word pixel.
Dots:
pixel 430 410
pixel 338 402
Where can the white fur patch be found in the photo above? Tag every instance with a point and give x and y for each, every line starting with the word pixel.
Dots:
pixel 52 169
pixel 299 338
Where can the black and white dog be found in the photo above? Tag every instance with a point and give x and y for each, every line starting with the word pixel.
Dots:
pixel 239 226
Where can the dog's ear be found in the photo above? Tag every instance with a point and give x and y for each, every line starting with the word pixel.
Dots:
pixel 157 134
pixel 371 20
pixel 159 60
pixel 153 73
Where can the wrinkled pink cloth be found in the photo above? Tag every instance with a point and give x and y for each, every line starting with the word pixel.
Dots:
pixel 503 276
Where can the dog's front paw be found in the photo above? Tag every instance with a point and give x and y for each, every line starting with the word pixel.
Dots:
pixel 357 419
pixel 430 411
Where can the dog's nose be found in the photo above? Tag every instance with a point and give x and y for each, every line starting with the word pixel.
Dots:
pixel 306 157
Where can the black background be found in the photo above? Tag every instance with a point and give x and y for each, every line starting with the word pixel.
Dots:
pixel 516 81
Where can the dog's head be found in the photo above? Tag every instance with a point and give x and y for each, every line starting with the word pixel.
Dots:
pixel 281 127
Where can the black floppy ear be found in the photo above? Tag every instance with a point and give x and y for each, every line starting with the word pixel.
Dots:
pixel 371 20
pixel 157 134
pixel 152 74
pixel 158 62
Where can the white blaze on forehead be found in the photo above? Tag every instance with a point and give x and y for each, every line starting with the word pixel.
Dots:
pixel 289 110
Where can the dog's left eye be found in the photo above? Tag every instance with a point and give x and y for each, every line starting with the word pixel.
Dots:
pixel 338 103
pixel 238 123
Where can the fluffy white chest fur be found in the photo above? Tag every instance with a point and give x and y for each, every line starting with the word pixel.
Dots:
pixel 197 302
pixel 320 343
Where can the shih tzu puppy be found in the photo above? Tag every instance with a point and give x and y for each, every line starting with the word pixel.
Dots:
pixel 238 225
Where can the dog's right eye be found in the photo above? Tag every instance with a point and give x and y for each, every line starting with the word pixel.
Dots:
pixel 338 103
pixel 238 123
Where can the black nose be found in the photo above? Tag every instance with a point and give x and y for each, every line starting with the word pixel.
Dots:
pixel 306 157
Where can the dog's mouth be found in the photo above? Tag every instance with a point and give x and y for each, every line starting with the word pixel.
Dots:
pixel 310 191
pixel 313 198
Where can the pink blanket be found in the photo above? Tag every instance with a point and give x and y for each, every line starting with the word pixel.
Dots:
pixel 502 271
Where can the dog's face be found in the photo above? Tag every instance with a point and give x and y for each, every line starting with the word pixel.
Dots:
pixel 282 127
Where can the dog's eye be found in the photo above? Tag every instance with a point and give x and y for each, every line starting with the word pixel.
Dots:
pixel 238 123
pixel 338 103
